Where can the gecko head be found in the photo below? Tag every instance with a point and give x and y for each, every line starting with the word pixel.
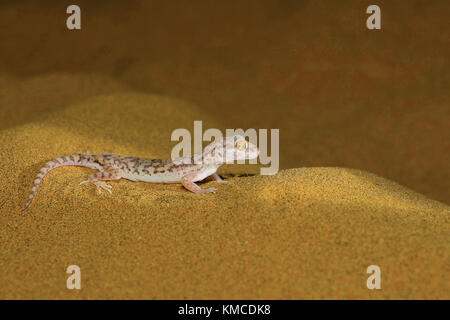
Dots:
pixel 237 148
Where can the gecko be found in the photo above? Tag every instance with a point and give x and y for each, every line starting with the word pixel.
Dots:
pixel 185 170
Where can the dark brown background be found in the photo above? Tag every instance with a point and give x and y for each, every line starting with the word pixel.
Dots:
pixel 341 95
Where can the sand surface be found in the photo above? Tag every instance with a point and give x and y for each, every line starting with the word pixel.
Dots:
pixel 303 233
pixel 342 97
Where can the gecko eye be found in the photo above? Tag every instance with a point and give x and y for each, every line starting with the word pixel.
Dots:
pixel 241 145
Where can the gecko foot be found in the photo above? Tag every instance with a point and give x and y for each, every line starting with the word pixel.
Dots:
pixel 207 190
pixel 218 179
pixel 100 185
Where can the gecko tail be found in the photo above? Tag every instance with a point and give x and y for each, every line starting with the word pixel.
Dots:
pixel 76 160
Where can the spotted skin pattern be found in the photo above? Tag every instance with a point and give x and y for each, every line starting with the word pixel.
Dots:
pixel 184 170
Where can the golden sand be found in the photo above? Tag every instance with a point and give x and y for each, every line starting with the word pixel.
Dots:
pixel 341 95
pixel 306 233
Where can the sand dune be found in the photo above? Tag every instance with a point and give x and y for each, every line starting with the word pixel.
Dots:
pixel 305 233
pixel 340 94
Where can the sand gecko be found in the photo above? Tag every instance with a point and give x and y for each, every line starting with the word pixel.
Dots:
pixel 185 170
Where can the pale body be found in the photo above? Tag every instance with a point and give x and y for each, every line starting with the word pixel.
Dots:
pixel 185 170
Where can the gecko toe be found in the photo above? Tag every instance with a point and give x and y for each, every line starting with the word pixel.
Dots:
pixel 104 186
pixel 208 190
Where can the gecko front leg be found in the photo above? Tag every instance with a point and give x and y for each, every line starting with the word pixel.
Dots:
pixel 99 178
pixel 188 183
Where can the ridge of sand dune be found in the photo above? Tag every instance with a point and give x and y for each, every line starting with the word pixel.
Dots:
pixel 303 233
pixel 345 188
pixel 23 100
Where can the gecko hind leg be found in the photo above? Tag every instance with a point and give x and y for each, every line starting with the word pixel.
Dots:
pixel 99 178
